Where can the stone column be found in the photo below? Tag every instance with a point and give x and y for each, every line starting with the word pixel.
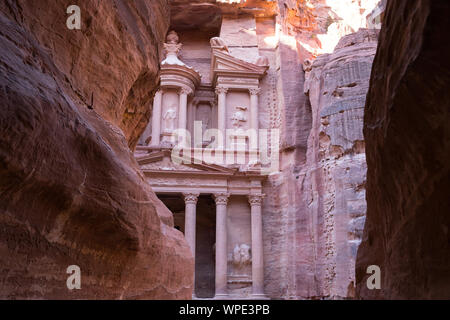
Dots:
pixel 222 113
pixel 156 119
pixel 254 112
pixel 190 223
pixel 190 200
pixel 182 114
pixel 221 245
pixel 257 245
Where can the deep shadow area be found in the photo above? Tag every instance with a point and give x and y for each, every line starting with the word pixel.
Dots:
pixel 205 239
pixel 407 133
pixel 205 253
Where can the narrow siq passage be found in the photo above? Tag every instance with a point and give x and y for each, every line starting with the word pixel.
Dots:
pixel 314 147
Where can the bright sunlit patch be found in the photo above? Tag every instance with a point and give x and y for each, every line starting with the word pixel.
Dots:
pixel 232 1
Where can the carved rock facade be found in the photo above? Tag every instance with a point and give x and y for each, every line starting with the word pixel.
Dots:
pixel 313 210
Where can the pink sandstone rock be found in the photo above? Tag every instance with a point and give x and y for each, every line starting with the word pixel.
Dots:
pixel 70 190
pixel 316 208
pixel 406 128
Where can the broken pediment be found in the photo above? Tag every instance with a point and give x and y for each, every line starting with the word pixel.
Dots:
pixel 223 64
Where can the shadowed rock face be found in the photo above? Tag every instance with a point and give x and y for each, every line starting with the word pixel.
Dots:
pixel 70 190
pixel 406 128
pixel 202 15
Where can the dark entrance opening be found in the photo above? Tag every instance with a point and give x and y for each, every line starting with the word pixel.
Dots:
pixel 175 203
pixel 205 260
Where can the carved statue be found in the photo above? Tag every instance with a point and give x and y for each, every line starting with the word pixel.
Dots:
pixel 241 255
pixel 172 47
pixel 205 122
pixel 262 61
pixel 172 37
pixel 169 119
pixel 204 116
pixel 239 117
pixel 219 44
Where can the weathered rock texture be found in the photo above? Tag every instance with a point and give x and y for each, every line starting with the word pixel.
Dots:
pixel 70 190
pixel 196 15
pixel 323 195
pixel 406 128
pixel 314 211
pixel 318 25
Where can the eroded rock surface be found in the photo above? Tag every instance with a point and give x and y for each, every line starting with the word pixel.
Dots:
pixel 320 195
pixel 197 15
pixel 333 181
pixel 406 128
pixel 70 189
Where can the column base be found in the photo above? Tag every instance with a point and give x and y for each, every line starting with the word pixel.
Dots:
pixel 259 296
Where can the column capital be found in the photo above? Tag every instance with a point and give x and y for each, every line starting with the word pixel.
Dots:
pixel 186 91
pixel 191 197
pixel 221 89
pixel 254 91
pixel 256 199
pixel 221 198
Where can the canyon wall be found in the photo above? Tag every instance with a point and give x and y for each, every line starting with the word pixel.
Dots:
pixel 71 193
pixel 406 128
pixel 321 197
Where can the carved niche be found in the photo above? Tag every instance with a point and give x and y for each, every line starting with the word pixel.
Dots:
pixel 169 119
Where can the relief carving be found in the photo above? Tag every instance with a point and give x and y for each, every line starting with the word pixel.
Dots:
pixel 204 115
pixel 219 44
pixel 169 119
pixel 239 118
pixel 262 61
pixel 221 198
pixel 254 91
pixel 241 255
pixel 221 90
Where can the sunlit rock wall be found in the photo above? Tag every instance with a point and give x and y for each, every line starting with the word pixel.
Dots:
pixel 314 211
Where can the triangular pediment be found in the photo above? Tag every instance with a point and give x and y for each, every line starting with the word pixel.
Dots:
pixel 164 161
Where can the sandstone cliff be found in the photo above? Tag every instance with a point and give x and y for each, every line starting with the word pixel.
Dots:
pixel 406 128
pixel 70 190
pixel 323 195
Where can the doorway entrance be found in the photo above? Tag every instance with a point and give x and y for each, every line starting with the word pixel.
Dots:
pixel 205 238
